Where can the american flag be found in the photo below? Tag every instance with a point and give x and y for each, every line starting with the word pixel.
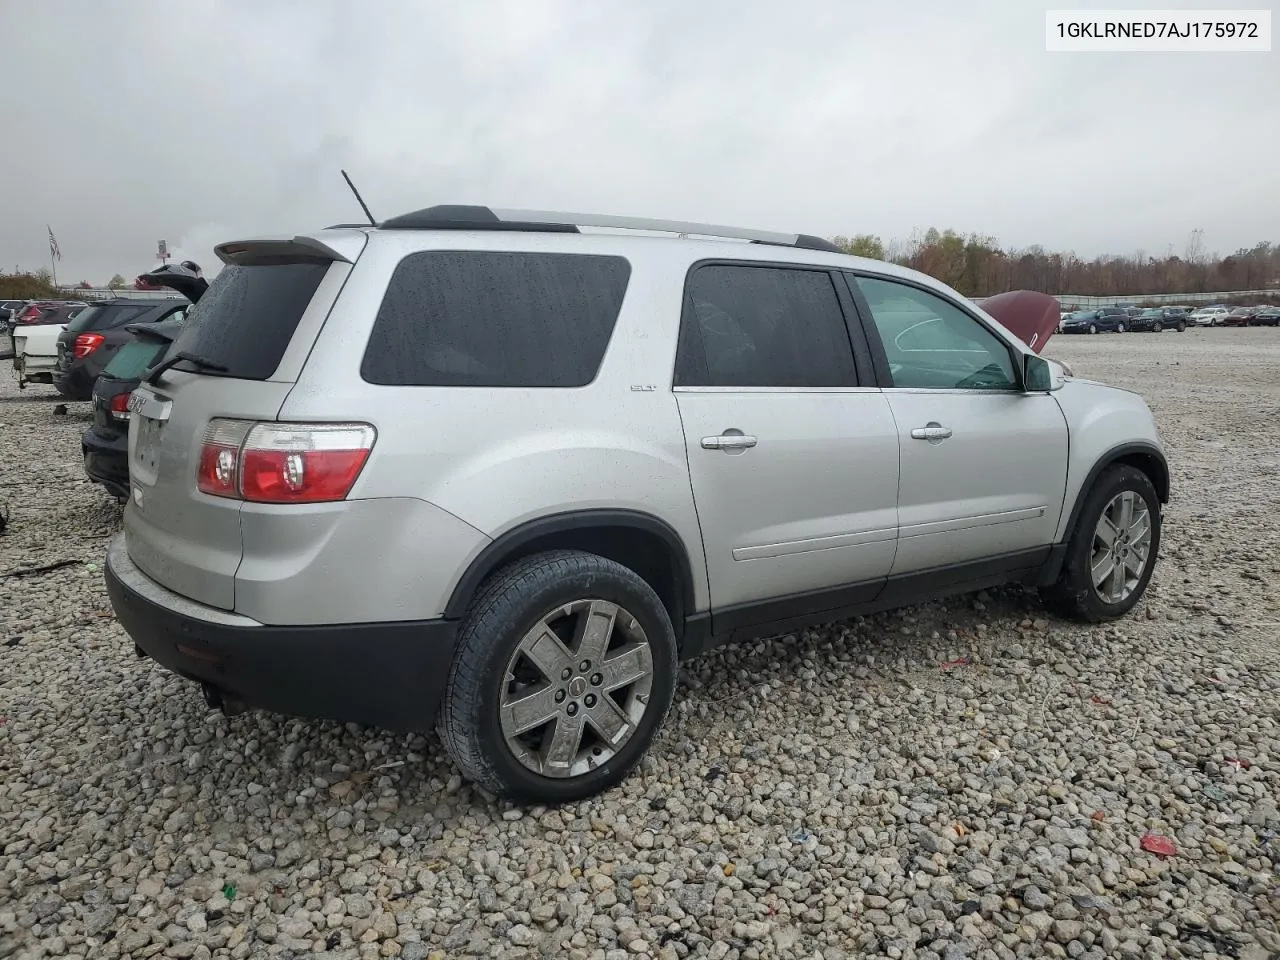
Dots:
pixel 53 243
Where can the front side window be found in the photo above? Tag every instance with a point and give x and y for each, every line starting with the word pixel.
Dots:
pixel 762 326
pixel 930 342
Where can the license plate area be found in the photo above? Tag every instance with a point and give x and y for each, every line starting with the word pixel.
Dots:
pixel 146 434
pixel 149 435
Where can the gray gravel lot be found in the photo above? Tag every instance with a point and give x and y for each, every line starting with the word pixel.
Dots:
pixel 851 791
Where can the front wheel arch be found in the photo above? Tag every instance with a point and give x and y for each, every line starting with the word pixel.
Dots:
pixel 1141 456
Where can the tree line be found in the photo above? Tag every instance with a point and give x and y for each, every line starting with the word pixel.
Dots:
pixel 977 266
pixel 38 285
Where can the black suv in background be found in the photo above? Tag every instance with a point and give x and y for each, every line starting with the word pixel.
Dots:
pixel 105 444
pixel 1156 319
pixel 93 336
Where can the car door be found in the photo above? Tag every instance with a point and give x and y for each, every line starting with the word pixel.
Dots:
pixel 984 464
pixel 793 458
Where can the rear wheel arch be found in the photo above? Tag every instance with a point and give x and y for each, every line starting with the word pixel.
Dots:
pixel 640 541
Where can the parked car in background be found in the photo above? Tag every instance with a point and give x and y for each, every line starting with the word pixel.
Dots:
pixel 105 443
pixel 8 310
pixel 1079 322
pixel 1266 317
pixel 331 511
pixel 35 341
pixel 93 336
pixel 1132 311
pixel 1106 320
pixel 1209 316
pixel 1238 317
pixel 43 312
pixel 1157 319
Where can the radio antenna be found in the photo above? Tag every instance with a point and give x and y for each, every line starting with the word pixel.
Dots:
pixel 363 205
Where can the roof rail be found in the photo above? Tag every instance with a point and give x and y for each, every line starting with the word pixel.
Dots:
pixel 474 217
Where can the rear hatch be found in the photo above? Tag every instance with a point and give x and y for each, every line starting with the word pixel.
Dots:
pixel 1030 316
pixel 123 372
pixel 241 350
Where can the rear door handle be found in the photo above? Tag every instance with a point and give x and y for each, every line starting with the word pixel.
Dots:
pixel 933 431
pixel 728 441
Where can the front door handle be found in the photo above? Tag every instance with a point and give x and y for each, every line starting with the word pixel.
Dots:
pixel 933 431
pixel 728 441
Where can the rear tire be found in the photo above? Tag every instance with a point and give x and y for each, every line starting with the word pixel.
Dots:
pixel 605 623
pixel 1119 328
pixel 1077 594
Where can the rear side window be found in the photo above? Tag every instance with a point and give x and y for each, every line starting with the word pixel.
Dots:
pixel 247 317
pixel 489 319
pixel 749 326
pixel 132 359
pixel 106 316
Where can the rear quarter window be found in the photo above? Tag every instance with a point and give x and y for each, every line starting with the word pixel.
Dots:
pixel 495 319
pixel 247 317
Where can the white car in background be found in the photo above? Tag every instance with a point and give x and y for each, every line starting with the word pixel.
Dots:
pixel 35 345
pixel 1209 316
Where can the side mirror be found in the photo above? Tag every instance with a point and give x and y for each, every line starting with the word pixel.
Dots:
pixel 1037 374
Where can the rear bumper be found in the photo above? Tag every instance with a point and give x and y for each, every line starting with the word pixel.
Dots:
pixel 384 674
pixel 106 460
pixel 74 383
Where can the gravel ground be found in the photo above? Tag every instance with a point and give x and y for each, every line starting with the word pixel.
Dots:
pixel 969 779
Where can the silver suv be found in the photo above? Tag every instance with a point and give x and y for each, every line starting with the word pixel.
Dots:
pixel 500 472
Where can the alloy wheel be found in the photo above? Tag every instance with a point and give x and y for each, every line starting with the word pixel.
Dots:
pixel 1121 547
pixel 576 688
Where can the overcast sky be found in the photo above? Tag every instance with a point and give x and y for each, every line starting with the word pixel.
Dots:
pixel 197 122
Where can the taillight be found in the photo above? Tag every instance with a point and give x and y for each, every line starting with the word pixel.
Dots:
pixel 86 343
pixel 219 470
pixel 120 406
pixel 29 315
pixel 282 462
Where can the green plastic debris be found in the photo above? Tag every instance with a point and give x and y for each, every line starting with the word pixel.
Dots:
pixel 229 891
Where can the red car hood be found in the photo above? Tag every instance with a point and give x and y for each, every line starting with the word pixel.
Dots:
pixel 1031 317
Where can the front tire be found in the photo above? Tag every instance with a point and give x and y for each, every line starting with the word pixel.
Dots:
pixel 1112 551
pixel 1182 328
pixel 1157 328
pixel 1093 328
pixel 565 668
pixel 1119 328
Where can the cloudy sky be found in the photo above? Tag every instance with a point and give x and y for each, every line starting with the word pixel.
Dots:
pixel 197 122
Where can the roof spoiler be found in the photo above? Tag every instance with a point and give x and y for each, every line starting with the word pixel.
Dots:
pixel 341 245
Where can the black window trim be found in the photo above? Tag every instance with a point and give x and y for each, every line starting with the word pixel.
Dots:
pixel 884 378
pixel 608 344
pixel 864 373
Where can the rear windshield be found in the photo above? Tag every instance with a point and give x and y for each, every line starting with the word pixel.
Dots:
pixel 132 359
pixel 105 316
pixel 248 315
pixel 492 319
